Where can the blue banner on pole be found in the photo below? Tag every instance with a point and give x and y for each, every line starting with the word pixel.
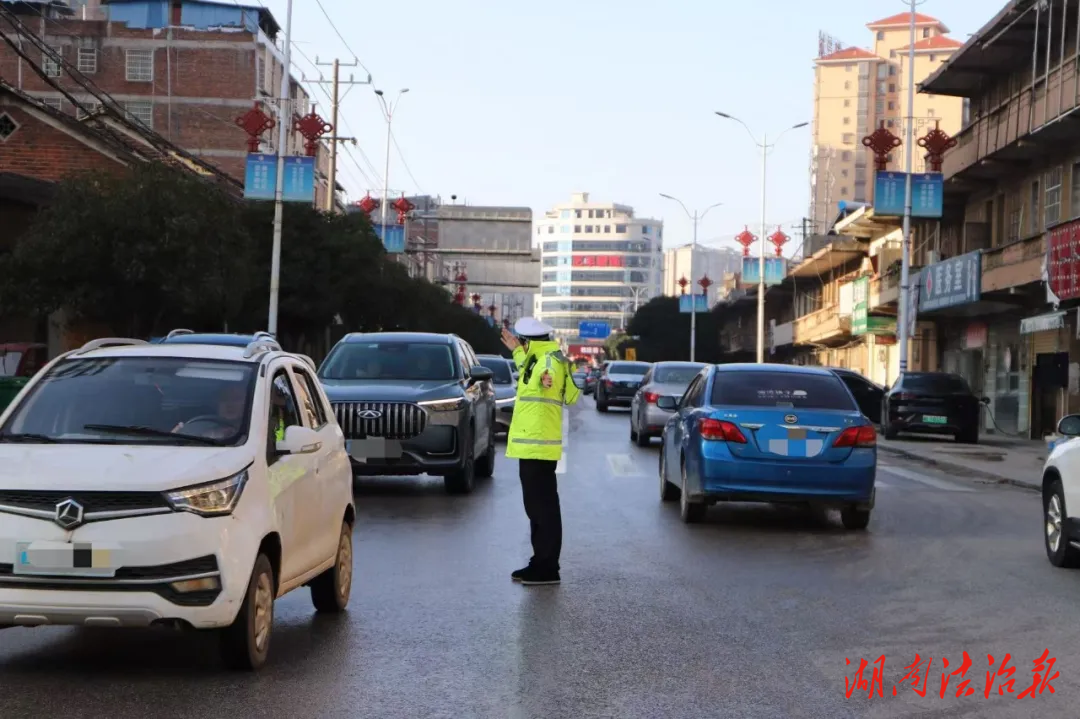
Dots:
pixel 260 177
pixel 392 236
pixel 927 194
pixel 594 330
pixel 299 179
pixel 775 270
pixel 700 303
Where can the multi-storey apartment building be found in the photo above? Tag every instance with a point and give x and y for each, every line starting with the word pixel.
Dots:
pixel 857 90
pixel 713 262
pixel 185 69
pixel 599 260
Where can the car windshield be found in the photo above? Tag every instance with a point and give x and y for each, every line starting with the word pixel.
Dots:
pixel 793 390
pixel 137 400
pixel 499 368
pixel 676 374
pixel 389 361
pixel 936 383
pixel 631 368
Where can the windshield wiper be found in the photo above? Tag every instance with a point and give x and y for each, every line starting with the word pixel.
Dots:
pixel 151 432
pixel 28 437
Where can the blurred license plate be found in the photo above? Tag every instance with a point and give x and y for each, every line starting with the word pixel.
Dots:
pixel 934 419
pixel 65 558
pixel 373 448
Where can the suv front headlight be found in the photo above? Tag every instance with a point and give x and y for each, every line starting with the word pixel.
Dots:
pixel 443 405
pixel 209 500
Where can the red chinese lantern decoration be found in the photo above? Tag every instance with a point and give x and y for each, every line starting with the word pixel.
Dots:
pixel 746 238
pixel 683 282
pixel 312 127
pixel 403 207
pixel 506 323
pixel 881 142
pixel 460 280
pixel 254 122
pixel 368 204
pixel 705 283
pixel 936 142
pixel 491 309
pixel 779 239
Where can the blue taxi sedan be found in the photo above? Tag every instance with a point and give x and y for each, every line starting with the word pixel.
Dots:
pixel 768 433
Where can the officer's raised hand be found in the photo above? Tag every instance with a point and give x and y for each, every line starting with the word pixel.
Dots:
pixel 509 340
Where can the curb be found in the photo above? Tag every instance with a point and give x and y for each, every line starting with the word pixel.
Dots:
pixel 963 468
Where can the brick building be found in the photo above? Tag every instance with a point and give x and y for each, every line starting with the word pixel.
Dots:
pixel 186 69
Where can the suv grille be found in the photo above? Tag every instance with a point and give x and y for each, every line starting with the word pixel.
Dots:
pixel 395 420
pixel 91 501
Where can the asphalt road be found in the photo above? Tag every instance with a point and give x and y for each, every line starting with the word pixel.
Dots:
pixel 751 614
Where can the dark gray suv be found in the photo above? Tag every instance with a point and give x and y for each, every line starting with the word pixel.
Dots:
pixel 413 403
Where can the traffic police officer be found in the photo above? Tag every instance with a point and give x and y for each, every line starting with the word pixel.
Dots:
pixel 545 385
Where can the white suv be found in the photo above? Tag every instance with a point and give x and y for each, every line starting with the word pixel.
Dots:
pixel 179 484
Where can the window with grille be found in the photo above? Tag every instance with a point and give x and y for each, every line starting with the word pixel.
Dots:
pixel 91 108
pixel 141 111
pixel 50 65
pixel 140 66
pixel 1052 200
pixel 87 60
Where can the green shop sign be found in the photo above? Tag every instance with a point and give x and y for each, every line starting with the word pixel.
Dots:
pixel 862 322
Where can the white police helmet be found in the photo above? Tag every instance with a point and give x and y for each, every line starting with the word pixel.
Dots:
pixel 532 328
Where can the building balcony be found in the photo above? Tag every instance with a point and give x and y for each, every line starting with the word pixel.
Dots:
pixel 823 326
pixel 1012 265
pixel 738 341
pixel 884 290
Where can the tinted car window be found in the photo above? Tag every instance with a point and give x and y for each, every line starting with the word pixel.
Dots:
pixel 780 389
pixel 631 368
pixel 499 368
pixel 389 361
pixel 88 400
pixel 676 374
pixel 935 383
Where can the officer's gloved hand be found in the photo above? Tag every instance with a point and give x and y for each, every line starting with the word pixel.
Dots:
pixel 546 380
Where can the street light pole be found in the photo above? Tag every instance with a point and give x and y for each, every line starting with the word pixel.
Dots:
pixel 279 190
pixel 694 217
pixel 765 147
pixel 903 318
pixel 388 112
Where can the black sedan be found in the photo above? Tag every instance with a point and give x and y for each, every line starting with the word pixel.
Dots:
pixel 619 383
pixel 932 403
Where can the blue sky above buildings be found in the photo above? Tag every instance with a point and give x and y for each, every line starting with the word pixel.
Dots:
pixel 525 103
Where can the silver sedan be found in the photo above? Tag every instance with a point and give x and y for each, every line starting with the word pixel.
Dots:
pixel 664 379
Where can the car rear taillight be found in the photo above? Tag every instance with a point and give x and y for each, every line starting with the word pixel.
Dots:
pixel 864 436
pixel 651 397
pixel 609 383
pixel 906 397
pixel 718 429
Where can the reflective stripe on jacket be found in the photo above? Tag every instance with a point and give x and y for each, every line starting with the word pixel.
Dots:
pixel 279 432
pixel 536 427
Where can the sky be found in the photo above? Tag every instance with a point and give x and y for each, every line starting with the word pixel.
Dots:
pixel 522 104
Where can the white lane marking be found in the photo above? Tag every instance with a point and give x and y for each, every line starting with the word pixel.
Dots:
pixel 878 484
pixel 622 465
pixel 923 479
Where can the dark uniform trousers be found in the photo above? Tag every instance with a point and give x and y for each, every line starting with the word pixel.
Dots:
pixel 540 491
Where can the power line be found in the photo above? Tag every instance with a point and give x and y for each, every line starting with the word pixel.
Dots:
pixel 401 155
pixel 341 37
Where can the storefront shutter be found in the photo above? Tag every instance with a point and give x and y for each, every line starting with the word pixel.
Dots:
pixel 1045 342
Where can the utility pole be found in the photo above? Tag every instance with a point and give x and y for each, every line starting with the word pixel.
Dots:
pixel 335 84
pixel 284 124
pixel 904 319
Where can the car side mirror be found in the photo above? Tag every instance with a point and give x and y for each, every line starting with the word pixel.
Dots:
pixel 299 440
pixel 1069 425
pixel 579 383
pixel 480 374
pixel 669 403
pixel 985 400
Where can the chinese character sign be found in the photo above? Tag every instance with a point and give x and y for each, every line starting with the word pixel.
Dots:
pixel 889 191
pixel 951 282
pixel 1063 262
pixel 927 194
pixel 597 261
pixel 260 178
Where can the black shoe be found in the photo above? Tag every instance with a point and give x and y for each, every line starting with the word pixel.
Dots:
pixel 518 574
pixel 533 576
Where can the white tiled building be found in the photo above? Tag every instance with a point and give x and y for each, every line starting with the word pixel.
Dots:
pixel 599 262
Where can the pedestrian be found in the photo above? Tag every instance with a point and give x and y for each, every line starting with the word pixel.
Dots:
pixel 545 385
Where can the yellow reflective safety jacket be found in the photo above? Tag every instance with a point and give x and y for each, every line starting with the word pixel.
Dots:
pixel 536 427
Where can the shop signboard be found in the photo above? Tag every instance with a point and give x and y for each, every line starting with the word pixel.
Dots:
pixel 1042 323
pixel 775 270
pixel 598 261
pixel 927 194
pixel 859 305
pixel 1063 262
pixel 585 350
pixel 951 282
